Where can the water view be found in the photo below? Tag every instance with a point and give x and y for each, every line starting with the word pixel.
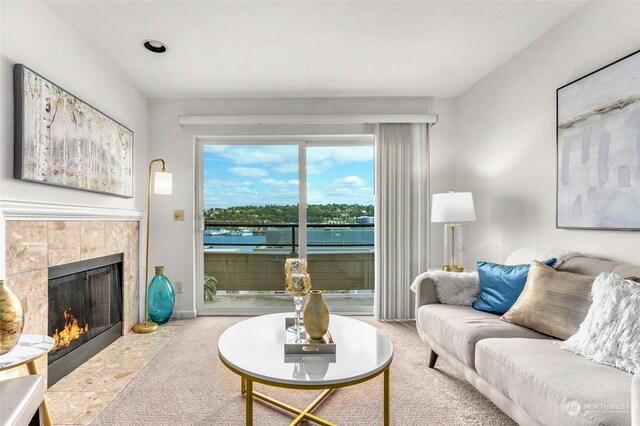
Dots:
pixel 251 207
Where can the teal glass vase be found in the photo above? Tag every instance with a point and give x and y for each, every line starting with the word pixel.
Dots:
pixel 161 297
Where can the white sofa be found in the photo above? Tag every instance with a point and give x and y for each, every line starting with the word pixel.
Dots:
pixel 524 372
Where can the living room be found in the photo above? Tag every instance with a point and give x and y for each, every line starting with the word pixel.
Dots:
pixel 475 88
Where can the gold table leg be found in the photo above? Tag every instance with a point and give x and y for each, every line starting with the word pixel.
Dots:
pixel 249 402
pixel 46 417
pixel 246 387
pixel 386 397
pixel 306 413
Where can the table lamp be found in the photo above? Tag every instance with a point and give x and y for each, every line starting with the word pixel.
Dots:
pixel 162 184
pixel 452 208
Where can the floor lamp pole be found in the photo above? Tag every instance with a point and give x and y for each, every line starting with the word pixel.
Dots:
pixel 148 326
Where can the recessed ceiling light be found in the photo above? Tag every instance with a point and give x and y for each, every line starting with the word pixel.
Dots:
pixel 155 46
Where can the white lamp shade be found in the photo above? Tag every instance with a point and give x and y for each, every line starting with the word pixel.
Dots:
pixel 162 183
pixel 453 207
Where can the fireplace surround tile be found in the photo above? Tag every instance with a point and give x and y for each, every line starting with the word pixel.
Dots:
pixel 77 408
pixel 130 290
pixel 92 240
pixel 26 247
pixel 134 235
pixel 32 246
pixel 117 237
pixel 34 298
pixel 63 242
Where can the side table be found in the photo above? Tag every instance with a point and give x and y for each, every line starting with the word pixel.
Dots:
pixel 30 347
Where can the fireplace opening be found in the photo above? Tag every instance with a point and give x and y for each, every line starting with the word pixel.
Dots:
pixel 85 311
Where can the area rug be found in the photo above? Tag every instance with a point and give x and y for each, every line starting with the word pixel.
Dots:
pixel 186 384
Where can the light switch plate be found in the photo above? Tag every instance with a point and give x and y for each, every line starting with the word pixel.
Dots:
pixel 178 285
pixel 178 215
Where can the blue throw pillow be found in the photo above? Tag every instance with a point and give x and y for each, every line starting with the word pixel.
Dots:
pixel 500 285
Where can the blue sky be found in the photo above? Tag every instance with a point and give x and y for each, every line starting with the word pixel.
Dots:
pixel 258 175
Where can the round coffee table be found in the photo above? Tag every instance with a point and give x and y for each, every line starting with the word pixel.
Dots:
pixel 254 349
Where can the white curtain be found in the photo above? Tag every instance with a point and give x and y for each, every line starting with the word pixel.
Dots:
pixel 402 216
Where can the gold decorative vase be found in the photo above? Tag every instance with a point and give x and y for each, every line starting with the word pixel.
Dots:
pixel 11 319
pixel 316 316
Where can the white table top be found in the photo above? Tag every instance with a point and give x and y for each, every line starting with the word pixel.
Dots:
pixel 255 347
pixel 29 347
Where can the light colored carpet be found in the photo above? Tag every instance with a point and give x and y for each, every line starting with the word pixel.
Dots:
pixel 186 384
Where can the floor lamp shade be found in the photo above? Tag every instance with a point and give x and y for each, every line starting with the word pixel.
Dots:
pixel 163 183
pixel 452 208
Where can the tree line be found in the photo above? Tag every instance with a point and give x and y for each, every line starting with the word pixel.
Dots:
pixel 316 213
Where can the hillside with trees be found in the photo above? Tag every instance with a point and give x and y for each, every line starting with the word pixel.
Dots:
pixel 316 213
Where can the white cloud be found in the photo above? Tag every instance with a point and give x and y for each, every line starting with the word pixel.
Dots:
pixel 248 171
pixel 349 181
pixel 344 195
pixel 281 183
pixel 283 159
pixel 254 154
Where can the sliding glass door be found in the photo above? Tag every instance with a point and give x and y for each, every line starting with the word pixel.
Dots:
pixel 263 201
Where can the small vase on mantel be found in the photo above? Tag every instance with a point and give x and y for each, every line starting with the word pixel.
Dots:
pixel 161 297
pixel 316 316
pixel 11 319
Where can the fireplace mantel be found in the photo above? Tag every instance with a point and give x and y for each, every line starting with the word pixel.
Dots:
pixel 36 210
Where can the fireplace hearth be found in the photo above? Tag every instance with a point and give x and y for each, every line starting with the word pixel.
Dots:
pixel 85 311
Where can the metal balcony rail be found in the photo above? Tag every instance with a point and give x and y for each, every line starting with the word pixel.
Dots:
pixel 292 226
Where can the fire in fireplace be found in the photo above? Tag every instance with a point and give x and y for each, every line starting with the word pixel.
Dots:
pixel 70 332
pixel 85 311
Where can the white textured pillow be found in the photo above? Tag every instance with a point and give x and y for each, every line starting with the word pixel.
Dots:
pixel 525 256
pixel 610 333
pixel 453 288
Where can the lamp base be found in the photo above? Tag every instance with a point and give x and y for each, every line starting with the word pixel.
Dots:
pixel 145 327
pixel 452 268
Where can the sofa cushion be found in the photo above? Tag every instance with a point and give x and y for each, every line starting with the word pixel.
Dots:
pixel 553 386
pixel 500 285
pixel 457 329
pixel 552 302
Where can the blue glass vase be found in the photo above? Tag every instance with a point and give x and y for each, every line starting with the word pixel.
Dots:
pixel 161 297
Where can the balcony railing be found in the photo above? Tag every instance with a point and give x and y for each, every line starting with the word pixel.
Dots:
pixel 340 257
pixel 293 232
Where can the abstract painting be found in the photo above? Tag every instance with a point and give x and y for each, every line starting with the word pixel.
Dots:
pixel 598 137
pixel 61 140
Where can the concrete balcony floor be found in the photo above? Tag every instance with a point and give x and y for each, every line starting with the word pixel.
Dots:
pixel 284 301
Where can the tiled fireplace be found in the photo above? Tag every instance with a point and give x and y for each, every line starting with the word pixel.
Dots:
pixel 34 246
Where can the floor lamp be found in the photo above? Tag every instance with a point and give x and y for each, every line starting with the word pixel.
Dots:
pixel 451 208
pixel 162 184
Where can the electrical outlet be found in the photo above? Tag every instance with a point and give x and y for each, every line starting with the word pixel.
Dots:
pixel 178 285
pixel 178 215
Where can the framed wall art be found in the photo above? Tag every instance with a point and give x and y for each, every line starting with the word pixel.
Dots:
pixel 598 148
pixel 61 140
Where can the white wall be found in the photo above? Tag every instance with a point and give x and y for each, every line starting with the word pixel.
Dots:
pixel 507 143
pixel 176 145
pixel 442 161
pixel 31 34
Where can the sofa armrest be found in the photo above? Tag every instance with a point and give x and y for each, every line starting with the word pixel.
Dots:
pixel 635 400
pixel 425 292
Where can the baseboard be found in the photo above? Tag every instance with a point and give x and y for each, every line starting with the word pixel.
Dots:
pixel 184 314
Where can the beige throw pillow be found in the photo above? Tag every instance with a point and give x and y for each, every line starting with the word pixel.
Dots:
pixel 552 302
